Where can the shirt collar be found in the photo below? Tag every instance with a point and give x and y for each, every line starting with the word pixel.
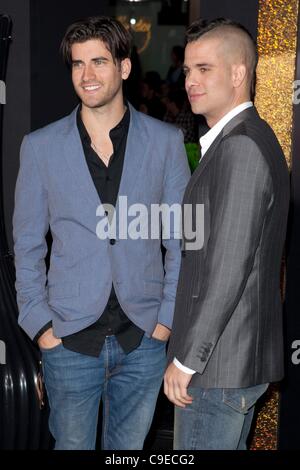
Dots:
pixel 207 139
pixel 123 124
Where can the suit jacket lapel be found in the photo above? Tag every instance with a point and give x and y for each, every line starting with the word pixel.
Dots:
pixel 211 152
pixel 249 113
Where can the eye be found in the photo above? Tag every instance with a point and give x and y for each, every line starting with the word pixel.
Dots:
pixel 98 61
pixel 76 65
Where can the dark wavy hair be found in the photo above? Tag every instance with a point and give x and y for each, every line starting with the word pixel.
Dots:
pixel 110 31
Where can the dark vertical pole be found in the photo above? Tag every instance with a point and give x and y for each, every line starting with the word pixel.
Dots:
pixel 20 416
pixel 5 38
pixel 16 122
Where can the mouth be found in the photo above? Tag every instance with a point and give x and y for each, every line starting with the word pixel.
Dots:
pixel 195 96
pixel 90 88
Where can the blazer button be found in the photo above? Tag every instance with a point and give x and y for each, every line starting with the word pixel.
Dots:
pixel 112 241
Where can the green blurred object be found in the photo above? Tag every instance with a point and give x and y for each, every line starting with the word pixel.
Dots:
pixel 192 150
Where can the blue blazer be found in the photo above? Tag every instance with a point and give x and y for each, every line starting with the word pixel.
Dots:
pixel 54 189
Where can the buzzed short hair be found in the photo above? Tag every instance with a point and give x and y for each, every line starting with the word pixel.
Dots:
pixel 222 27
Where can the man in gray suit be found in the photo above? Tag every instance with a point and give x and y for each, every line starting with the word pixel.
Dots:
pixel 226 344
pixel 103 312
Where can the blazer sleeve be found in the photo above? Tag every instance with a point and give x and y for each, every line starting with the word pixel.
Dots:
pixel 177 175
pixel 30 226
pixel 240 196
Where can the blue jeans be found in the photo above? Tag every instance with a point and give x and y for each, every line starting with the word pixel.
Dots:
pixel 127 383
pixel 217 419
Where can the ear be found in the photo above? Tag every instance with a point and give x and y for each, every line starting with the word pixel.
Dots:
pixel 238 74
pixel 125 68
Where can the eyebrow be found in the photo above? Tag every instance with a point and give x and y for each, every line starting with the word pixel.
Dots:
pixel 198 65
pixel 104 59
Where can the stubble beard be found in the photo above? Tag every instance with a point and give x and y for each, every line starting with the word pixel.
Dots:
pixel 101 101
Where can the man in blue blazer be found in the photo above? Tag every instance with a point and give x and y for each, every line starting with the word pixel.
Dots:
pixel 103 312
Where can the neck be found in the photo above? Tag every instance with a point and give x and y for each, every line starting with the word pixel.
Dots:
pixel 102 117
pixel 213 120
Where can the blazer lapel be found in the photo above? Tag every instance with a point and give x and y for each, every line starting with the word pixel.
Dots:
pixel 137 145
pixel 74 154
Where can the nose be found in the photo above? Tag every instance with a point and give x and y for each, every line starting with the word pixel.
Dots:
pixel 88 73
pixel 191 79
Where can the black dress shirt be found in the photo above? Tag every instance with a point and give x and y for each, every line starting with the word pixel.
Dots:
pixel 106 179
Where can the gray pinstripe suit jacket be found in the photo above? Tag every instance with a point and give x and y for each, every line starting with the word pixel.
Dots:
pixel 228 314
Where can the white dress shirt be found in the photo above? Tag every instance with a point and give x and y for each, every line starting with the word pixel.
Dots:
pixel 205 142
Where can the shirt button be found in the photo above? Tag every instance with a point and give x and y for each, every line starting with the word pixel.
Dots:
pixel 108 178
pixel 112 241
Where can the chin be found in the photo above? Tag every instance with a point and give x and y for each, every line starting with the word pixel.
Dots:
pixel 197 109
pixel 93 104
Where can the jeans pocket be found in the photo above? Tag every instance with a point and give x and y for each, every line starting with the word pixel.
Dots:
pixel 242 399
pixel 159 341
pixel 50 350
